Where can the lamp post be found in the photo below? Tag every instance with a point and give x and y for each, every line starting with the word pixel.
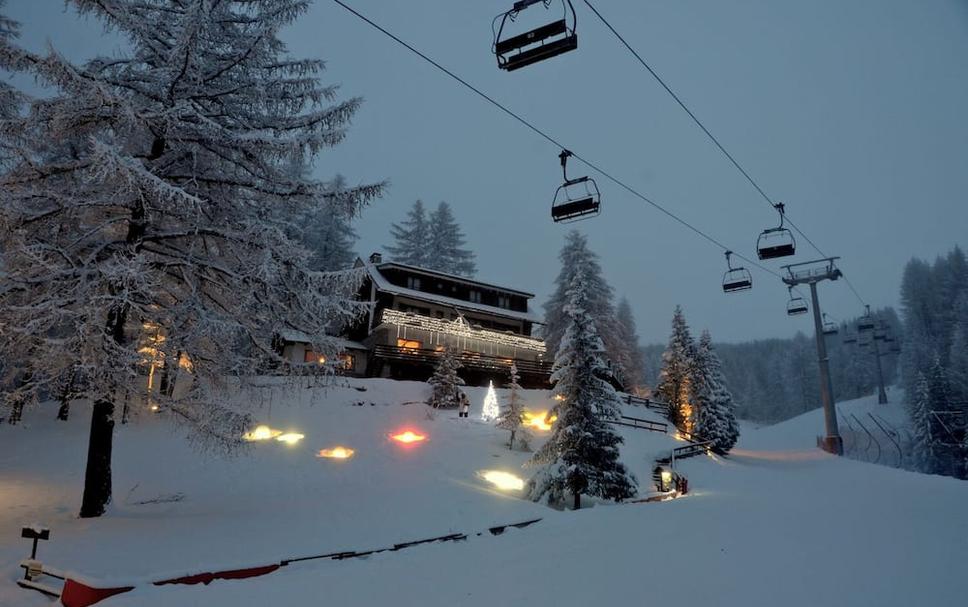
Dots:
pixel 809 274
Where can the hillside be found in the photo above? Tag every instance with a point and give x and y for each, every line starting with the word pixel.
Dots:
pixel 752 528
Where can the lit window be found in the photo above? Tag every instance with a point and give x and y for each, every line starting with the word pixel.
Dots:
pixel 409 344
pixel 310 356
pixel 475 296
pixel 347 361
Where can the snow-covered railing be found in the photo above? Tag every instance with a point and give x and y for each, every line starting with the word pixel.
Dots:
pixel 644 424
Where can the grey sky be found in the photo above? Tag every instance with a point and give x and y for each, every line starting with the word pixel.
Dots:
pixel 850 111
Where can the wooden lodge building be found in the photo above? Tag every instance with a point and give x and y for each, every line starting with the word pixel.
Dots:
pixel 416 312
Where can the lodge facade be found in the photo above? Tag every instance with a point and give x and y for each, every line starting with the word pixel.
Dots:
pixel 415 313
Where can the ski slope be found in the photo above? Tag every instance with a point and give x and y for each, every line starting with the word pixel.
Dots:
pixel 776 523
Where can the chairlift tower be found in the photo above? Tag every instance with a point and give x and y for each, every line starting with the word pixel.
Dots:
pixel 810 273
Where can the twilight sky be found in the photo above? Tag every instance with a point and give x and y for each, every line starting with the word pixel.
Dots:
pixel 853 112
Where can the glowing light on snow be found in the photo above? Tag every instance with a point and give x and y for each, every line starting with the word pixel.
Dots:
pixel 559 397
pixel 290 438
pixel 408 437
pixel 490 410
pixel 539 420
pixel 336 453
pixel 503 480
pixel 261 433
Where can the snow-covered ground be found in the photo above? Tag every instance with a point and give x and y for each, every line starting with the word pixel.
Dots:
pixel 778 522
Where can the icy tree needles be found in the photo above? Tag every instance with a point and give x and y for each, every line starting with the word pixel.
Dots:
pixel 445 383
pixel 154 190
pixel 582 454
pixel 512 415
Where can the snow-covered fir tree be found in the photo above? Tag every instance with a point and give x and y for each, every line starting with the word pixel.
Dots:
pixel 152 190
pixel 490 410
pixel 922 442
pixel 581 457
pixel 411 238
pixel 674 379
pixel 512 414
pixel 711 399
pixel 578 259
pixel 445 383
pixel 634 372
pixel 446 244
pixel 327 231
pixel 10 98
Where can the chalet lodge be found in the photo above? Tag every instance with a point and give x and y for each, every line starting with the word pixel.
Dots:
pixel 416 312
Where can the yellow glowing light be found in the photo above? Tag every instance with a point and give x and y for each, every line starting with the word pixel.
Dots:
pixel 153 407
pixel 539 420
pixel 666 477
pixel 261 433
pixel 503 480
pixel 408 437
pixel 559 397
pixel 290 438
pixel 336 453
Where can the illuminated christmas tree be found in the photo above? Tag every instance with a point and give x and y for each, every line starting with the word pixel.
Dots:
pixel 491 410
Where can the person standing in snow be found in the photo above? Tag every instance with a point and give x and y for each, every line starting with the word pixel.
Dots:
pixel 465 404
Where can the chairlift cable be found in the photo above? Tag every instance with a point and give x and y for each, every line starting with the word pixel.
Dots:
pixel 711 137
pixel 551 139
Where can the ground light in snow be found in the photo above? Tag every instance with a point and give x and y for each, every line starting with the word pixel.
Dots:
pixel 539 420
pixel 502 480
pixel 490 410
pixel 336 453
pixel 290 438
pixel 260 433
pixel 408 437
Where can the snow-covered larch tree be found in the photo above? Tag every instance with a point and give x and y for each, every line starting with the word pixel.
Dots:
pixel 411 238
pixel 446 244
pixel 712 400
pixel 512 414
pixel 445 383
pixel 581 457
pixel 576 257
pixel 677 362
pixel 151 191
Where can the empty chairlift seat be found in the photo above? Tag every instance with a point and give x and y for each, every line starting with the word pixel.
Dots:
pixel 736 279
pixel 576 198
pixel 543 42
pixel 778 241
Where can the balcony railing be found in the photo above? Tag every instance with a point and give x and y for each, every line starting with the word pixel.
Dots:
pixel 471 360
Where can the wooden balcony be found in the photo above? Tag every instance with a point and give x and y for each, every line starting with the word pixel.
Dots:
pixel 470 360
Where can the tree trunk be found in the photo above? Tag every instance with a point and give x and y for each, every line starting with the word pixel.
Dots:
pixel 577 501
pixel 511 444
pixel 66 395
pixel 16 411
pixel 65 410
pixel 97 477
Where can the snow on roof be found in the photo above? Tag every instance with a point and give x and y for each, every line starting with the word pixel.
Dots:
pixel 302 338
pixel 457 277
pixel 387 287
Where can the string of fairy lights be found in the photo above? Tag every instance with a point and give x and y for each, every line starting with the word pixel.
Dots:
pixel 594 166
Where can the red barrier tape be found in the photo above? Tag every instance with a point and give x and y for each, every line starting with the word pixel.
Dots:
pixel 76 594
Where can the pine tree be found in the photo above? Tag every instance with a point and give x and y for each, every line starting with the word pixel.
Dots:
pixel 581 457
pixel 445 383
pixel 922 442
pixel 578 260
pixel 512 415
pixel 715 418
pixel 153 190
pixel 11 99
pixel 327 231
pixel 446 244
pixel 412 238
pixel 677 363
pixel 633 376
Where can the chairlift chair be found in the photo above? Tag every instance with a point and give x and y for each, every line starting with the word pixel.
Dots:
pixel 850 339
pixel 736 279
pixel 866 322
pixel 796 305
pixel 829 327
pixel 778 241
pixel 543 42
pixel 576 198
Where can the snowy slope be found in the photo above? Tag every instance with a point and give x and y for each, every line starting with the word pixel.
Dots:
pixel 276 501
pixel 776 523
